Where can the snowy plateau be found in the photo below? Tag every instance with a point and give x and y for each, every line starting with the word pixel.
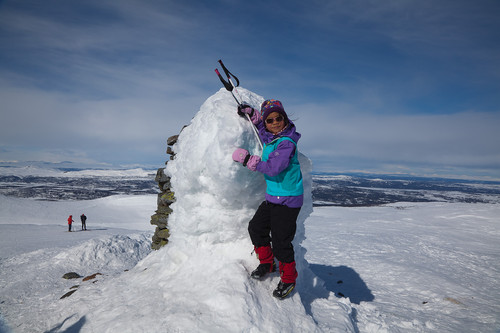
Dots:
pixel 374 254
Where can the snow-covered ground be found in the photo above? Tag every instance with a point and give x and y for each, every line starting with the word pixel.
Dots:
pixel 426 267
pixel 430 267
pixel 405 267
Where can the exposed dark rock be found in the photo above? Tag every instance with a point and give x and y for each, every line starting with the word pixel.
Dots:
pixel 172 140
pixel 69 293
pixel 71 275
pixel 91 277
pixel 165 198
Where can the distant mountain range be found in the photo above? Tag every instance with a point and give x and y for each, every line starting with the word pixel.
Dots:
pixel 365 190
pixel 328 189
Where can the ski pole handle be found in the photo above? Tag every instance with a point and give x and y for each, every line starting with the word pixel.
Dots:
pixel 227 85
pixel 229 74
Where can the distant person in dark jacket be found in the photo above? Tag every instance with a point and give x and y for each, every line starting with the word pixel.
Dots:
pixel 84 221
pixel 70 221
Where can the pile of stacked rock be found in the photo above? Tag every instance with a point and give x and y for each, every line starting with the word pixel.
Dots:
pixel 165 199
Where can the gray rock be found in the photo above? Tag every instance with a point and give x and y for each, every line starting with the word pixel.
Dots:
pixel 71 275
pixel 162 233
pixel 172 140
pixel 161 177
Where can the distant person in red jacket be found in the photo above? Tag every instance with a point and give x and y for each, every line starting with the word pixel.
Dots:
pixel 70 220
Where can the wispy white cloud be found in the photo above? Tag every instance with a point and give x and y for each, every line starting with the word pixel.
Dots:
pixel 346 137
pixel 391 83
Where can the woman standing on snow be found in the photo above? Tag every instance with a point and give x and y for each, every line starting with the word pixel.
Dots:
pixel 277 215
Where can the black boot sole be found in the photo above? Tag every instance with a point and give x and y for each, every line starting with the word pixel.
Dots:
pixel 287 292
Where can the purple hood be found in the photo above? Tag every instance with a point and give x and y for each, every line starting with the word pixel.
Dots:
pixel 289 131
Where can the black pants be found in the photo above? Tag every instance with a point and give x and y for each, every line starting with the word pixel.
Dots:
pixel 276 224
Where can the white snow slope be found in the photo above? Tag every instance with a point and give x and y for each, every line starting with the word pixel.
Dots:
pixel 398 268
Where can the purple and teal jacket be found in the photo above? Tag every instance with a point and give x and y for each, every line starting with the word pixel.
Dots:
pixel 280 166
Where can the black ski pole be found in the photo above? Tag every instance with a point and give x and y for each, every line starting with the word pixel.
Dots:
pixel 229 85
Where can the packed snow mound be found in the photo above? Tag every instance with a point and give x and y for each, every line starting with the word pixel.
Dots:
pixel 118 251
pixel 40 287
pixel 106 253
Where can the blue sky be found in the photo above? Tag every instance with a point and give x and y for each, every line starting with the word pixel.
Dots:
pixel 397 86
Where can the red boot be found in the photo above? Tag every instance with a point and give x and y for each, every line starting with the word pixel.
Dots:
pixel 288 272
pixel 288 275
pixel 266 258
pixel 264 254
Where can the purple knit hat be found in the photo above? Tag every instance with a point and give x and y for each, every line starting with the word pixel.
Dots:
pixel 272 105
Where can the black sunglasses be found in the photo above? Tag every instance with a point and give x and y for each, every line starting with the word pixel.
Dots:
pixel 278 119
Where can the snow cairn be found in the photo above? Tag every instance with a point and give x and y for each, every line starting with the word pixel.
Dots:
pixel 165 199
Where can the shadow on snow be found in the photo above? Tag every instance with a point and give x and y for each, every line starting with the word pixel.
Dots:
pixel 343 281
pixel 75 328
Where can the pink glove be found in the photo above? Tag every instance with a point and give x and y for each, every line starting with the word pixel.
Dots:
pixel 252 162
pixel 241 155
pixel 245 109
pixel 255 118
